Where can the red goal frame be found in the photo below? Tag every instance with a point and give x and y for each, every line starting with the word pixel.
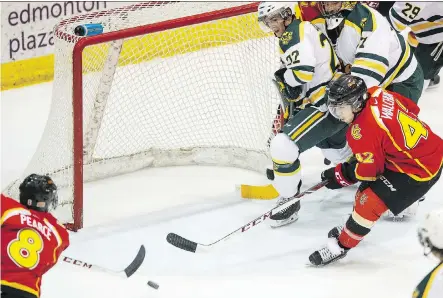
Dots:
pixel 77 79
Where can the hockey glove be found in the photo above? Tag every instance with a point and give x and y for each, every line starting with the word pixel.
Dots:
pixel 338 176
pixel 288 92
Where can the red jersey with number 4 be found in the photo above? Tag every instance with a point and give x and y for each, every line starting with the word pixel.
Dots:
pixel 31 243
pixel 387 134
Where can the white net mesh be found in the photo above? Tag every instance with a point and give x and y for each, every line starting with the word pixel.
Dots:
pixel 198 94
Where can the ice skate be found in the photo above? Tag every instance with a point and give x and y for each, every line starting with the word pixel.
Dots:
pixel 330 253
pixel 434 82
pixel 287 215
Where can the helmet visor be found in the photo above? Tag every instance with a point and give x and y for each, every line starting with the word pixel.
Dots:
pixel 342 112
pixel 344 109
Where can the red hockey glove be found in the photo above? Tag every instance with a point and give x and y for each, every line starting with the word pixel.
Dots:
pixel 337 177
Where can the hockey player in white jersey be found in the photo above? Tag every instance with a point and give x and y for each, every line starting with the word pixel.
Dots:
pixel 430 234
pixel 309 63
pixel 368 48
pixel 426 22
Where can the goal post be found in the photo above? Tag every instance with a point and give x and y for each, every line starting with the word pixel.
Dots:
pixel 166 84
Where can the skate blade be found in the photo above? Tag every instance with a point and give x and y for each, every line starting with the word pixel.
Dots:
pixel 282 223
pixel 325 264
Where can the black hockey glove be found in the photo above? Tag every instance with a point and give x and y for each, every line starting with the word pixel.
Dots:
pixel 341 175
pixel 289 93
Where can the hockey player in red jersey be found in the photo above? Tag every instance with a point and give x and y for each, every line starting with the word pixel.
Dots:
pixel 398 159
pixel 31 238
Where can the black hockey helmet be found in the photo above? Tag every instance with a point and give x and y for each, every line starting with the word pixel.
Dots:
pixel 38 193
pixel 346 90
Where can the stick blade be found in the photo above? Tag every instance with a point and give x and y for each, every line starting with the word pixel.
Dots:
pixel 137 262
pixel 258 192
pixel 182 243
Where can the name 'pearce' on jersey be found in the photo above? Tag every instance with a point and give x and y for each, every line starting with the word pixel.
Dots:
pixel 36 224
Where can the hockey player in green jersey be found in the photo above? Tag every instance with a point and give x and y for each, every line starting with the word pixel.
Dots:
pixel 308 64
pixel 426 22
pixel 430 234
pixel 368 48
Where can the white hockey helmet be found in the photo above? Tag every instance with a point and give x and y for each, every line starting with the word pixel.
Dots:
pixel 430 231
pixel 267 10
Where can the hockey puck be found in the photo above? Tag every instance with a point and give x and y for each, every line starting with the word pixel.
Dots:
pixel 153 284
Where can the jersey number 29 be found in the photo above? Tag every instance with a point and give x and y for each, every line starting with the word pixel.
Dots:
pixel 411 11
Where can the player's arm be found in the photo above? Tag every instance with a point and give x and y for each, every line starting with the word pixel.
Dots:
pixel 368 162
pixel 366 166
pixel 370 159
pixel 299 59
pixel 64 237
pixel 371 63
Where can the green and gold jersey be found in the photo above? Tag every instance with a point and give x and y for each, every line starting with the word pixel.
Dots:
pixel 370 49
pixel 310 60
pixel 432 285
pixel 424 18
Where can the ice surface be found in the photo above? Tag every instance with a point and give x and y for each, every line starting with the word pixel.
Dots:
pixel 200 203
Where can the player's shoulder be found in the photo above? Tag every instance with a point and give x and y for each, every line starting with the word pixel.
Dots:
pixel 294 34
pixel 437 274
pixel 374 102
pixel 10 208
pixel 363 17
pixel 381 105
pixel 9 202
pixel 366 120
pixel 320 20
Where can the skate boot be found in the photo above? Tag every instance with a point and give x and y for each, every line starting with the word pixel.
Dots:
pixel 287 215
pixel 335 232
pixel 330 253
pixel 434 82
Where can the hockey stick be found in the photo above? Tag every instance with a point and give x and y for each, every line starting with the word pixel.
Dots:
pixel 192 246
pixel 125 273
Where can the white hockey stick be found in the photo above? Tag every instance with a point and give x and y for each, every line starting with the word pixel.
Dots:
pixel 125 273
pixel 191 246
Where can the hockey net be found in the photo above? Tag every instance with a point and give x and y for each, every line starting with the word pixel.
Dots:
pixel 166 84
